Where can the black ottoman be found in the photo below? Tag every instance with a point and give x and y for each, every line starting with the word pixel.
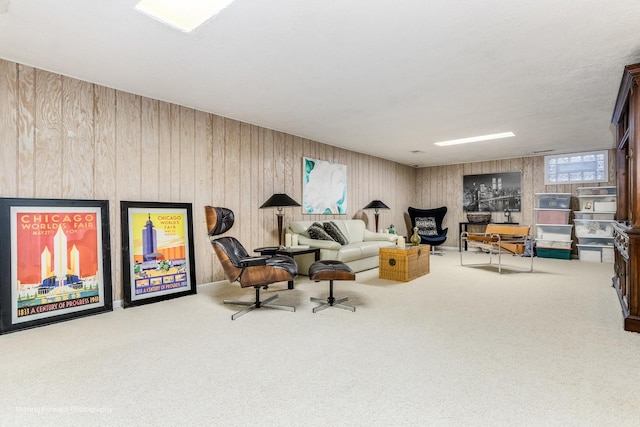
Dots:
pixel 331 270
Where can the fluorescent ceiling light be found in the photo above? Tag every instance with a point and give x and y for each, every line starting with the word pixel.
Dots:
pixel 476 139
pixel 185 15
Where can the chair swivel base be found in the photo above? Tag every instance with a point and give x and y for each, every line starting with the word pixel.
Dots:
pixel 252 305
pixel 332 302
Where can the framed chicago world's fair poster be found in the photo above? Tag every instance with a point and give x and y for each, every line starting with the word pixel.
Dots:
pixel 55 261
pixel 157 251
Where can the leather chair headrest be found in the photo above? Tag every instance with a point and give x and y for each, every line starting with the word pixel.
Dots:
pixel 219 220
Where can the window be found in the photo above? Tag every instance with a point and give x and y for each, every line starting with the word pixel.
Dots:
pixel 577 168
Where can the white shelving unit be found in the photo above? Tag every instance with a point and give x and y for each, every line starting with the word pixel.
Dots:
pixel 553 231
pixel 594 223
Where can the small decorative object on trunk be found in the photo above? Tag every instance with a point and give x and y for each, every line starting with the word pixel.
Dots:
pixel 415 239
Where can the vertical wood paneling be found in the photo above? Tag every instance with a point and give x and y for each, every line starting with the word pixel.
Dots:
pixel 457 205
pixel 231 168
pixel 174 152
pixel 528 188
pixel 203 180
pixel 245 232
pixel 267 219
pixel 8 128
pixel 255 186
pixel 363 195
pixel 149 136
pixel 321 151
pixel 287 154
pixel 296 163
pixel 260 186
pixel 218 132
pixel 419 199
pixel 105 137
pixel 49 146
pixel 218 188
pixel 26 130
pixel 309 150
pixel 77 137
pixel 129 148
pixel 128 163
pixel 278 162
pixel 104 173
pixel 165 158
pixel 186 155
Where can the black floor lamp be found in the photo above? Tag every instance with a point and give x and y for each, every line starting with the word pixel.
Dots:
pixel 377 205
pixel 279 201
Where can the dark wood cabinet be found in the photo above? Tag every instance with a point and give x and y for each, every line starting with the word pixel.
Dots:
pixel 626 279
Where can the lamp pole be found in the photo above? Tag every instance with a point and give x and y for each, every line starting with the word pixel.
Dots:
pixel 280 216
pixel 376 214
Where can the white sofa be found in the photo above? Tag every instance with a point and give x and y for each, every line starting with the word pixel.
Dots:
pixel 361 253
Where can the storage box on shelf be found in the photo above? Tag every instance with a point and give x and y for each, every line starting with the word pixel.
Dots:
pixel 554 244
pixel 551 216
pixel 560 232
pixel 596 240
pixel 597 199
pixel 553 253
pixel 594 215
pixel 596 191
pixel 553 200
pixel 597 253
pixel 593 228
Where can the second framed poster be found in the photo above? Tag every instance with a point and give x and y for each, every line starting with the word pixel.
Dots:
pixel 157 250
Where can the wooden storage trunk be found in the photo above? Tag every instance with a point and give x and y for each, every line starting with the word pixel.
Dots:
pixel 404 264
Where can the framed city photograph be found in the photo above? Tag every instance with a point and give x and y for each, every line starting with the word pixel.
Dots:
pixel 55 261
pixel 492 192
pixel 157 251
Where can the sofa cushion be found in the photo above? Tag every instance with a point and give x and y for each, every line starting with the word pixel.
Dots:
pixel 318 233
pixel 350 252
pixel 332 230
pixel 369 249
pixel 426 226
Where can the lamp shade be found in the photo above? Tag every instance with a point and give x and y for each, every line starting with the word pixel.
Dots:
pixel 376 204
pixel 279 200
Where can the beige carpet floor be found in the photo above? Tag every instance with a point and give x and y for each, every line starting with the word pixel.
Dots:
pixel 459 347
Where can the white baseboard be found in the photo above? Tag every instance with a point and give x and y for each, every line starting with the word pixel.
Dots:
pixel 118 303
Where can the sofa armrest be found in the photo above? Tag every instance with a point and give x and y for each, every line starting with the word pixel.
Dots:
pixel 386 237
pixel 317 243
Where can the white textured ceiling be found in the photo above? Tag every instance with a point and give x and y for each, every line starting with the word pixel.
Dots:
pixel 384 77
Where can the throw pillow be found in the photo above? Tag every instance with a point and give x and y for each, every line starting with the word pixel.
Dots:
pixel 332 230
pixel 426 226
pixel 318 233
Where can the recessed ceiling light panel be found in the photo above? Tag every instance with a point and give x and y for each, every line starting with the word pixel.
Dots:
pixel 475 139
pixel 185 15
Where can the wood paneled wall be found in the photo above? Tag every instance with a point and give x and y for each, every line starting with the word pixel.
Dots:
pixel 442 186
pixel 64 138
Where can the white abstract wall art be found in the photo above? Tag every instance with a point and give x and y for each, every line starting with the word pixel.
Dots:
pixel 324 187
